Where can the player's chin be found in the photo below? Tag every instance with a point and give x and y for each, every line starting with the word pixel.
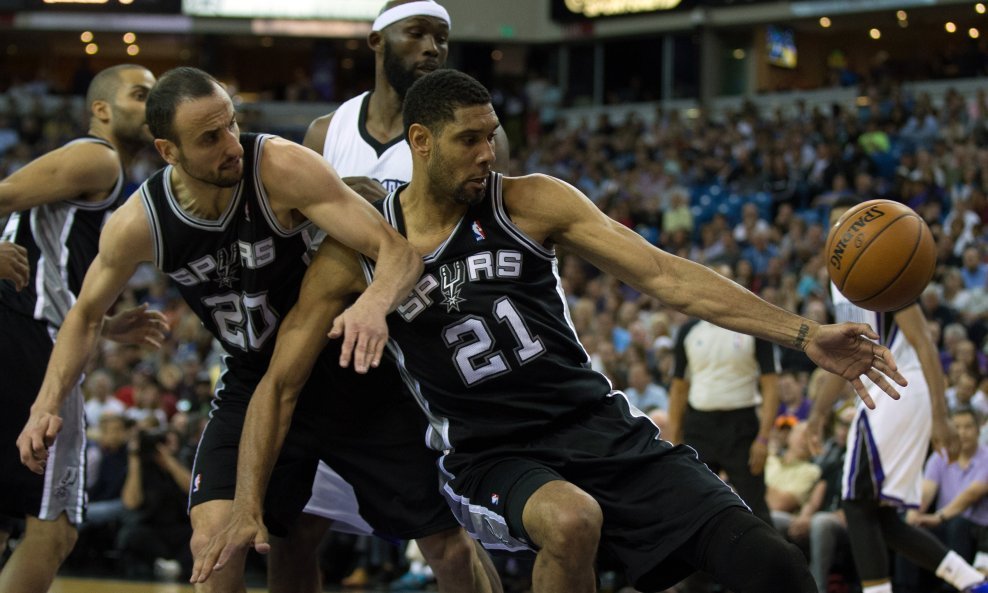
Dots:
pixel 470 196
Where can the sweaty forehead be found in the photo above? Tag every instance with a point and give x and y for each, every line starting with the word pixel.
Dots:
pixel 204 113
pixel 476 116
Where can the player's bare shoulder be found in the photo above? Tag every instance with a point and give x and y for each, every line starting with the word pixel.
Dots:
pixel 315 136
pixel 538 204
pixel 126 237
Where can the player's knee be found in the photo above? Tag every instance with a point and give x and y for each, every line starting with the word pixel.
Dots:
pixel 572 527
pixel 770 564
pixel 58 537
pixel 448 551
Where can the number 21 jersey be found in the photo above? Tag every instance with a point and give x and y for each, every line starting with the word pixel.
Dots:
pixel 485 341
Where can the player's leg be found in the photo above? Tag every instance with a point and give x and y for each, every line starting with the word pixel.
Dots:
pixel 564 522
pixel 293 563
pixel 32 566
pixel 208 520
pixel 51 503
pixel 924 549
pixel 746 555
pixel 458 563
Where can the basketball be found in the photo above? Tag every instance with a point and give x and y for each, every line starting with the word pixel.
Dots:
pixel 881 255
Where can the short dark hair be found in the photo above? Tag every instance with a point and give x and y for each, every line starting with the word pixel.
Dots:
pixel 105 84
pixel 433 99
pixel 962 410
pixel 175 86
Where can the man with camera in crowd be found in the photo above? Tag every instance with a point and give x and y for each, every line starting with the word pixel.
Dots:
pixel 155 527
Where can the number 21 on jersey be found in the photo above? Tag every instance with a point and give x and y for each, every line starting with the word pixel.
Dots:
pixel 475 354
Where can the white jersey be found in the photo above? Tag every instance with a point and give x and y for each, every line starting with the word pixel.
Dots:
pixel 886 447
pixel 354 153
pixel 883 324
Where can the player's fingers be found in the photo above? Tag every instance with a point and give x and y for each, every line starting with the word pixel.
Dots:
pixel 339 326
pixel 879 380
pixel 363 353
pixel 865 330
pixel 261 545
pixel 203 565
pixel 862 392
pixel 349 343
pixel 51 431
pixel 883 367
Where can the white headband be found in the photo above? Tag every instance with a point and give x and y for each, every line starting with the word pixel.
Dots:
pixel 403 11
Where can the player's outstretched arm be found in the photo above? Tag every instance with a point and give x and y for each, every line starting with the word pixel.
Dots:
pixel 124 243
pixel 330 284
pixel 65 173
pixel 913 326
pixel 563 215
pixel 297 178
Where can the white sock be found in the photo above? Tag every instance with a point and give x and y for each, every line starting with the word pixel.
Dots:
pixel 956 571
pixel 883 588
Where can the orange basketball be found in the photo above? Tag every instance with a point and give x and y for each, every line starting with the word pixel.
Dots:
pixel 881 255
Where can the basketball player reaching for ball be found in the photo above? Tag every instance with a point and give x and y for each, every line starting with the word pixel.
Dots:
pixel 57 205
pixel 887 447
pixel 228 220
pixel 364 142
pixel 537 447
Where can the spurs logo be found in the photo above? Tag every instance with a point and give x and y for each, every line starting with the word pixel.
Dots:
pixel 451 281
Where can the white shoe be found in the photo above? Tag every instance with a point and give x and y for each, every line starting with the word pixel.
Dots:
pixel 166 569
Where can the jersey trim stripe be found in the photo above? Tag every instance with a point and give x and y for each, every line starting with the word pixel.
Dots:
pixel 501 215
pixel 155 224
pixel 264 201
pixel 219 224
pixel 117 187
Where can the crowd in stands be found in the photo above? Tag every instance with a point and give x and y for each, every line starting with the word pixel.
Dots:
pixel 748 189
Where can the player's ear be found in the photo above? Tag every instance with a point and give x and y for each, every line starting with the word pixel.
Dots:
pixel 167 149
pixel 101 110
pixel 375 41
pixel 420 139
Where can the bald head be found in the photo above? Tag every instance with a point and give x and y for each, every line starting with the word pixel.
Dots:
pixel 106 83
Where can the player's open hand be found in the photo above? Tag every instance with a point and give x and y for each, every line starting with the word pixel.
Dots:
pixel 138 325
pixel 848 350
pixel 365 334
pixel 38 435
pixel 244 530
pixel 13 264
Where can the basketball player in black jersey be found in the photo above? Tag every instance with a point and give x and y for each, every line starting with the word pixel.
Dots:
pixel 539 452
pixel 57 205
pixel 409 39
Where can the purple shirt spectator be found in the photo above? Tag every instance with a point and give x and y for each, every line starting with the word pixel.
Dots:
pixel 953 479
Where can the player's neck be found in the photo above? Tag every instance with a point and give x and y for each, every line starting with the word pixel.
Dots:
pixel 384 122
pixel 429 219
pixel 125 152
pixel 197 198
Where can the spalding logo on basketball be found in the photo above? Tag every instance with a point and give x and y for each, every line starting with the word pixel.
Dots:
pixel 881 255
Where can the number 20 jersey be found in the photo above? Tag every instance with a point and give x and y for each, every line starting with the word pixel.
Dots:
pixel 485 341
pixel 240 273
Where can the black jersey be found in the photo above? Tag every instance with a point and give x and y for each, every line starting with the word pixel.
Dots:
pixel 485 341
pixel 240 273
pixel 61 239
